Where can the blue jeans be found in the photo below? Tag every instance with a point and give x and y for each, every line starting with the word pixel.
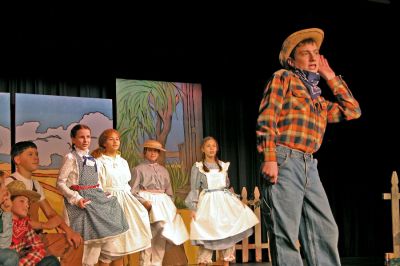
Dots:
pixel 8 257
pixel 296 207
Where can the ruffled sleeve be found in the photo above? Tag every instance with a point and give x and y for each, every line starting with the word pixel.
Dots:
pixel 68 176
pixel 225 166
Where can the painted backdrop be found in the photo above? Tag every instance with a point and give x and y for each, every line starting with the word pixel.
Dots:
pixel 47 121
pixel 5 132
pixel 169 112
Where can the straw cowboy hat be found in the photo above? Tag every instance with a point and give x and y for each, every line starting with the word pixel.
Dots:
pixel 154 144
pixel 290 43
pixel 18 188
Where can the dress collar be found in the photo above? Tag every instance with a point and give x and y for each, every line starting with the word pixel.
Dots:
pixel 110 157
pixel 81 153
pixel 149 162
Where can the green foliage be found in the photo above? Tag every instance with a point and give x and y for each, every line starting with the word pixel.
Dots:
pixel 180 203
pixel 140 104
pixel 179 179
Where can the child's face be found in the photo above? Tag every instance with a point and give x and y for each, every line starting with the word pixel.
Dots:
pixel 152 154
pixel 20 206
pixel 7 203
pixel 210 148
pixel 82 139
pixel 112 143
pixel 28 159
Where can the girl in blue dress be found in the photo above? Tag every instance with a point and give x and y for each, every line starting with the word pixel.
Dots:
pixel 89 211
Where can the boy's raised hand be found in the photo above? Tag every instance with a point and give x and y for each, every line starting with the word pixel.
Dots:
pixel 324 69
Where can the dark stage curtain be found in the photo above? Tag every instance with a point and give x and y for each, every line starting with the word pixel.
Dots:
pixel 231 119
pixel 68 87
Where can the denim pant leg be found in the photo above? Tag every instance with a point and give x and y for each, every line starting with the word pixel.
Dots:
pixel 318 230
pixel 8 257
pixel 284 202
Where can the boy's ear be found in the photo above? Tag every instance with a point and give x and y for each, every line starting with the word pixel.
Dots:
pixel 17 160
pixel 290 62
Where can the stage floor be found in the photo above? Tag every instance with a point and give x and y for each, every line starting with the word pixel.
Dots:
pixel 353 261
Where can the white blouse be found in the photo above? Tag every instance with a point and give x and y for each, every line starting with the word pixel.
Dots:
pixel 114 173
pixel 69 175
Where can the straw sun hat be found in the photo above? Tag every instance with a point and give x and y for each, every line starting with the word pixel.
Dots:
pixel 18 188
pixel 154 144
pixel 290 43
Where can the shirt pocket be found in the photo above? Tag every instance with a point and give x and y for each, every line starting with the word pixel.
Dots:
pixel 321 104
pixel 300 100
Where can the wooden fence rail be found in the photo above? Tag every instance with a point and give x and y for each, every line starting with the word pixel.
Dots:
pixel 394 196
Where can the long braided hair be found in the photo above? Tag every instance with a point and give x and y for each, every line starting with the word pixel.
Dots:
pixel 205 168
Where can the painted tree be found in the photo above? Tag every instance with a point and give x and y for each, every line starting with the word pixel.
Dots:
pixel 146 112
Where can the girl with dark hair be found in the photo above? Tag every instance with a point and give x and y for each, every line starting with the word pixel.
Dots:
pixel 88 208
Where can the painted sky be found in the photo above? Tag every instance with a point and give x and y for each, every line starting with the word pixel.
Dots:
pixel 48 120
pixel 5 134
pixel 5 110
pixel 54 143
pixel 66 110
pixel 176 136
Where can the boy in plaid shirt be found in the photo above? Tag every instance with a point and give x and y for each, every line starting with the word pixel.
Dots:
pixel 293 116
pixel 24 240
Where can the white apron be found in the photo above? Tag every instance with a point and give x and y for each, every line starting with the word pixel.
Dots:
pixel 220 214
pixel 164 210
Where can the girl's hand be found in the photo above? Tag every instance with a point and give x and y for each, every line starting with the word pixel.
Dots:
pixel 193 215
pixel 147 205
pixel 83 202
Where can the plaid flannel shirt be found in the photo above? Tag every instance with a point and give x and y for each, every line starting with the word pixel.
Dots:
pixel 290 117
pixel 29 245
